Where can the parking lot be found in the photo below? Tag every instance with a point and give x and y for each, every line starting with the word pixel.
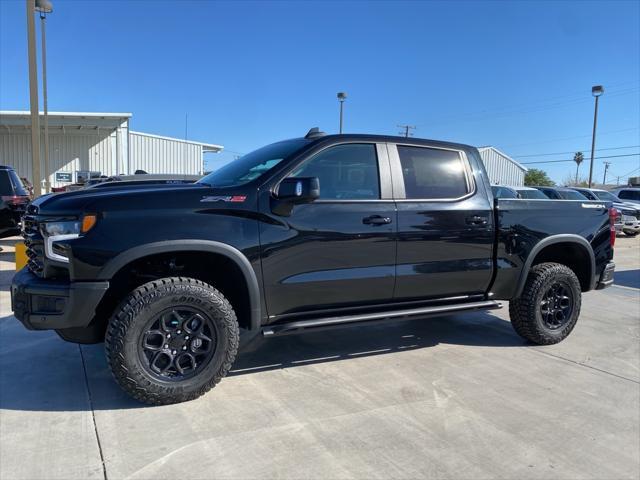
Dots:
pixel 450 397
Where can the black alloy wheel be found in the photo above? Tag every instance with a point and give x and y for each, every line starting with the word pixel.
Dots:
pixel 177 344
pixel 556 306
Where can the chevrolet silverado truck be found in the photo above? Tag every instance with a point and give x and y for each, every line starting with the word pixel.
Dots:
pixel 307 233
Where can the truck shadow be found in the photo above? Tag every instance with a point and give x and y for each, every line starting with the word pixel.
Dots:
pixel 627 278
pixel 40 372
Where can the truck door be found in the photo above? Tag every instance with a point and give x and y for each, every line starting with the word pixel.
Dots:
pixel 445 224
pixel 338 251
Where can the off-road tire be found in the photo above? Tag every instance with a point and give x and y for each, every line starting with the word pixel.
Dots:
pixel 524 311
pixel 129 319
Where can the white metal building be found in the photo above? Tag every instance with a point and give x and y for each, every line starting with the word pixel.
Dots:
pixel 97 142
pixel 501 168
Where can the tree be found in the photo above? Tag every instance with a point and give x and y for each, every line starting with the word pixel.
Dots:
pixel 578 158
pixel 570 181
pixel 539 177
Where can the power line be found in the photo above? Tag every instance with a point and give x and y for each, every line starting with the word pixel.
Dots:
pixel 577 150
pixel 571 138
pixel 571 159
pixel 628 173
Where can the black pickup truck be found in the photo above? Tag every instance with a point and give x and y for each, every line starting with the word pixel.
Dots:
pixel 306 233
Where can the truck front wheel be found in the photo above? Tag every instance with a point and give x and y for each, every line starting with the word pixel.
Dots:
pixel 171 340
pixel 549 306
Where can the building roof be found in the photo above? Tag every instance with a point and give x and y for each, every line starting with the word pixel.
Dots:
pixel 89 120
pixel 504 155
pixel 206 147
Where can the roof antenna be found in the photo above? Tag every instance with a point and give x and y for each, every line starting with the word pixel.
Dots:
pixel 314 133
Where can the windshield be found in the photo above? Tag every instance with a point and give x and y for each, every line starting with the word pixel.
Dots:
pixel 253 165
pixel 609 197
pixel 532 194
pixel 571 195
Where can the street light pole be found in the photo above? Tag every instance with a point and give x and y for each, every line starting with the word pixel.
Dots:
pixel 342 96
pixel 33 100
pixel 596 91
pixel 44 7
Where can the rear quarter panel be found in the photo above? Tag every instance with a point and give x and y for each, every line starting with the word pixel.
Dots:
pixel 524 223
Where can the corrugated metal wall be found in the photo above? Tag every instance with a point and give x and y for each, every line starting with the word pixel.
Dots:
pixel 155 154
pixel 68 152
pixel 501 170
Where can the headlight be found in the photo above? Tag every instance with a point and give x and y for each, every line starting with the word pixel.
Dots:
pixel 54 229
pixel 68 230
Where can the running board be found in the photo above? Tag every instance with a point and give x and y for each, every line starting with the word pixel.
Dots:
pixel 314 323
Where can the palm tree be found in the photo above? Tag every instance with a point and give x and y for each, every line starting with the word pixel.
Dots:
pixel 578 158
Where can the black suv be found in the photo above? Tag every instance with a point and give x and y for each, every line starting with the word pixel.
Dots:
pixel 14 198
pixel 312 232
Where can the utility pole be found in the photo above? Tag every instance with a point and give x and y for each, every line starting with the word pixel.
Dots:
pixel 45 7
pixel 406 129
pixel 596 91
pixel 606 167
pixel 33 100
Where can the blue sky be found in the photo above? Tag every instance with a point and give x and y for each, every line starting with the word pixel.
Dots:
pixel 516 75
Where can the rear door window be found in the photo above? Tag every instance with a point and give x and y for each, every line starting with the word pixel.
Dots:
pixel 431 173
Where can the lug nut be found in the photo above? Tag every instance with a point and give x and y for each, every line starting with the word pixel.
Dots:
pixel 166 346
pixel 168 335
pixel 174 352
pixel 179 332
pixel 184 348
pixel 186 337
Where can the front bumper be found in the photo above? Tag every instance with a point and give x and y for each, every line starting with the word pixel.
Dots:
pixel 42 304
pixel 606 277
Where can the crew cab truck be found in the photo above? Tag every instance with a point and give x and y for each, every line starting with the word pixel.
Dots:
pixel 312 232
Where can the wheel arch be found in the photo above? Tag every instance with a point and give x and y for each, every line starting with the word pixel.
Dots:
pixel 127 257
pixel 549 248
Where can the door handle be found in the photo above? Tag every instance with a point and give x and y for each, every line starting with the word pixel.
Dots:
pixel 477 220
pixel 376 220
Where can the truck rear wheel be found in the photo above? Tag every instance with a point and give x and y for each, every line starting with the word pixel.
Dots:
pixel 549 306
pixel 171 340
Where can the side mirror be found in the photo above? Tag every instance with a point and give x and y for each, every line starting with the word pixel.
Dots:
pixel 298 190
pixel 294 191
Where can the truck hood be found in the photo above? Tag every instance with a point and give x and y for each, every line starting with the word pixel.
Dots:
pixel 131 197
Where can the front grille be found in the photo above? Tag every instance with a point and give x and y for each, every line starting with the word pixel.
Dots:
pixel 35 245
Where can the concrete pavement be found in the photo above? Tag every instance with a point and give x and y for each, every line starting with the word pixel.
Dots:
pixel 451 397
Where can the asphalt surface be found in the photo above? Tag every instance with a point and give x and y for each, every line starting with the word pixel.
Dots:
pixel 451 397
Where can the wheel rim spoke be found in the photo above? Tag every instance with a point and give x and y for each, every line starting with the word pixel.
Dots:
pixel 177 343
pixel 556 305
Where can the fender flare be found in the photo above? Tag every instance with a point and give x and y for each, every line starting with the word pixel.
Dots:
pixel 545 242
pixel 121 260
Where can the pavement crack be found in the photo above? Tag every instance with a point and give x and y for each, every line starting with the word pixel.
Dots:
pixel 93 413
pixel 585 365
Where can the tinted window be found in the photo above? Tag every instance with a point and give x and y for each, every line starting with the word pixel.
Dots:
pixel 571 195
pixel 432 173
pixel 5 184
pixel 550 193
pixel 588 194
pixel 18 186
pixel 606 196
pixel 630 194
pixel 346 172
pixel 503 192
pixel 252 165
pixel 532 194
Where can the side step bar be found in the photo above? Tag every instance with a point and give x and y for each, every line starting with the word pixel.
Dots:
pixel 314 323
